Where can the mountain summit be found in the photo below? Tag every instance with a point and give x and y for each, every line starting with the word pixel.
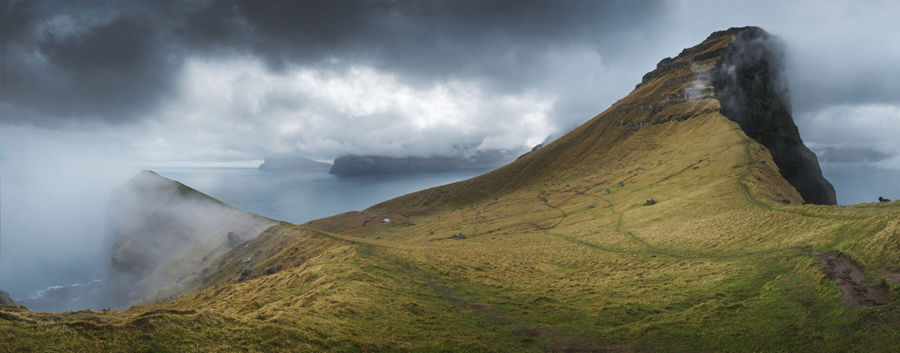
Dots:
pixel 750 84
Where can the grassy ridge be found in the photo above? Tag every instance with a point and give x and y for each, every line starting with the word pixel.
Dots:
pixel 550 260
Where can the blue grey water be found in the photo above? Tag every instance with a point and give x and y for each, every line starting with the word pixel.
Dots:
pixel 295 196
pixel 299 196
pixel 855 182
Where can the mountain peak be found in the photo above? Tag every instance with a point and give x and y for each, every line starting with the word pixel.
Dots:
pixel 751 86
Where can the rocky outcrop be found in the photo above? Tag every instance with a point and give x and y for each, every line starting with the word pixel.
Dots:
pixel 354 165
pixel 538 146
pixel 160 228
pixel 290 163
pixel 5 299
pixel 751 86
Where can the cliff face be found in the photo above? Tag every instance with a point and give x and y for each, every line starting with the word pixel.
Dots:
pixel 353 165
pixel 5 299
pixel 160 228
pixel 750 85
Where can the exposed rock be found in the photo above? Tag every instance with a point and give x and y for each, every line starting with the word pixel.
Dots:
pixel 290 163
pixel 751 85
pixel 606 191
pixel 245 275
pixel 461 236
pixel 538 146
pixel 621 184
pixel 273 270
pixel 651 202
pixel 881 199
pixel 5 299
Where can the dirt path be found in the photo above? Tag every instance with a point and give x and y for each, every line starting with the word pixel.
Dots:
pixel 850 279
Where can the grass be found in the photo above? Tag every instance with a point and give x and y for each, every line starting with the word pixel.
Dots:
pixel 717 264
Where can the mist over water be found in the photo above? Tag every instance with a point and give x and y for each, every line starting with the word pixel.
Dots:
pixel 53 244
pixel 299 196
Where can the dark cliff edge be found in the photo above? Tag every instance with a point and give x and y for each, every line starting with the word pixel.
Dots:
pixel 160 229
pixel 750 84
pixel 5 299
pixel 354 165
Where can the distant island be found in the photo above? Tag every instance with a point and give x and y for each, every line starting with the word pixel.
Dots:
pixel 356 165
pixel 290 163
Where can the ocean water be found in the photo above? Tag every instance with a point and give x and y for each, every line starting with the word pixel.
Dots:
pixel 299 196
pixel 855 183
pixel 295 196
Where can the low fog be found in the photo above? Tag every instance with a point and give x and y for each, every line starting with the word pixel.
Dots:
pixel 93 92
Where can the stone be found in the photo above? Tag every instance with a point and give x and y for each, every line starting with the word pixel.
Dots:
pixel 461 236
pixel 273 270
pixel 592 206
pixel 738 165
pixel 5 299
pixel 621 183
pixel 651 202
pixel 606 191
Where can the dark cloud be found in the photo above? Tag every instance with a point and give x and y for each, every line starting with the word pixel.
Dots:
pixel 114 62
pixel 60 66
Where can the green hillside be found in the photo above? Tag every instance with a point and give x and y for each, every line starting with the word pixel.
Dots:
pixel 726 257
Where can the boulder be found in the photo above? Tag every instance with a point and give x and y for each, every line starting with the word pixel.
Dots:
pixel 5 299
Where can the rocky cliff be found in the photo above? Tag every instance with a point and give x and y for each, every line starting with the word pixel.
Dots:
pixel 159 228
pixel 750 84
pixel 354 165
pixel 5 299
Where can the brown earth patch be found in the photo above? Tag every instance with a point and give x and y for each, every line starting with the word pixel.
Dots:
pixel 850 279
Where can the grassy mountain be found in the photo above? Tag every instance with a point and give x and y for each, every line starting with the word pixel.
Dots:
pixel 658 225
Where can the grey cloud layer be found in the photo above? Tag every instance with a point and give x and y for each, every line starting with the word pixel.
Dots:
pixel 118 62
pixel 110 63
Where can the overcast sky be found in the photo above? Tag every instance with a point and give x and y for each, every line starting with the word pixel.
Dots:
pixel 178 82
pixel 91 91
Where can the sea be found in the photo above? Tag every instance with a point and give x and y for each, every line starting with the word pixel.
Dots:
pixel 299 196
pixel 295 196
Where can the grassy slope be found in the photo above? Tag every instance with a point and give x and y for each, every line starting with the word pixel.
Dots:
pixel 719 263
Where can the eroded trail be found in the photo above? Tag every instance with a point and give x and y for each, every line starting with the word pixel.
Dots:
pixel 850 279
